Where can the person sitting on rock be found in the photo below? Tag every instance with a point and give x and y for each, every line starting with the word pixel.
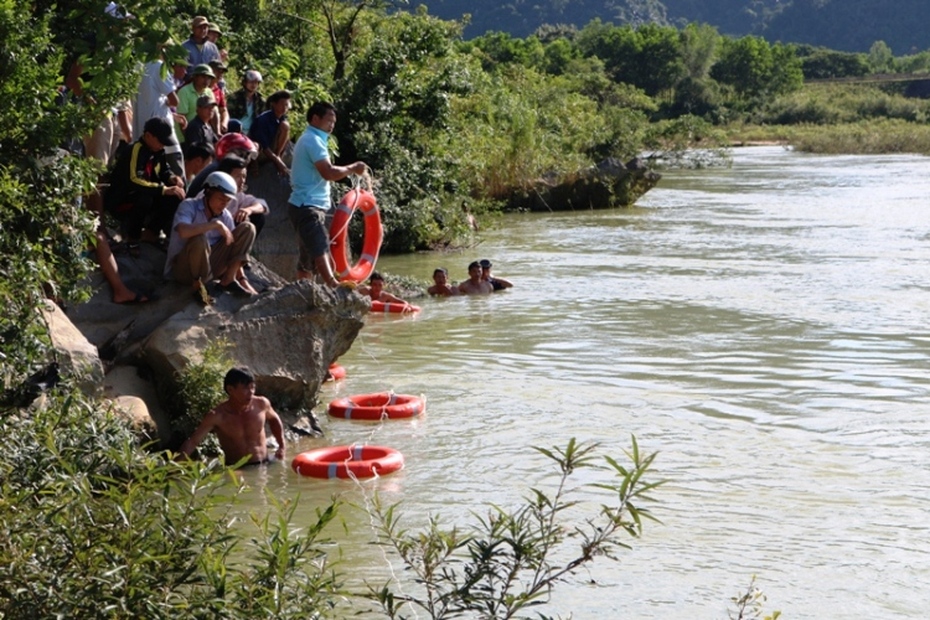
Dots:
pixel 200 129
pixel 499 284
pixel 197 156
pixel 230 144
pixel 271 131
pixel 207 244
pixel 245 207
pixel 143 193
pixel 474 285
pixel 239 423
pixel 221 118
pixel 441 287
pixel 375 290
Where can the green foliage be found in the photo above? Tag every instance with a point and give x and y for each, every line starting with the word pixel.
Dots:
pixel 90 527
pixel 200 389
pixel 509 561
pixel 648 57
pixel 753 69
pixel 822 64
pixel 828 104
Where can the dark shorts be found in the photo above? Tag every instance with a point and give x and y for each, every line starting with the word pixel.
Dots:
pixel 312 226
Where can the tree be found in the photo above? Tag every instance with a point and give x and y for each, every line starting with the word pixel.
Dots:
pixel 755 69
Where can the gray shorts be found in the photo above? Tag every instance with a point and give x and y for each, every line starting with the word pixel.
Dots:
pixel 312 226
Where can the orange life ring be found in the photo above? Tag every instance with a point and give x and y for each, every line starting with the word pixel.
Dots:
pixel 338 232
pixel 377 406
pixel 348 462
pixel 336 373
pixel 390 306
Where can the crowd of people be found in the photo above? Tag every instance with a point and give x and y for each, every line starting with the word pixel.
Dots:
pixel 177 155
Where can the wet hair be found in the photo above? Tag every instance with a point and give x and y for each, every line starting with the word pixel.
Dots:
pixel 320 108
pixel 232 162
pixel 474 264
pixel 375 276
pixel 193 150
pixel 240 375
pixel 441 270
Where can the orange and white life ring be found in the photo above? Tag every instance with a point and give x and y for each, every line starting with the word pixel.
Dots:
pixel 338 232
pixel 348 462
pixel 388 307
pixel 377 406
pixel 335 373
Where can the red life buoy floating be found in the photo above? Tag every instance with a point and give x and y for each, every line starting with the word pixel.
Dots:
pixel 338 232
pixel 348 462
pixel 377 406
pixel 390 307
pixel 336 373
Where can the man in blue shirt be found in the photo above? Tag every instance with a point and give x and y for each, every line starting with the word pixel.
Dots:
pixel 200 51
pixel 311 174
pixel 271 131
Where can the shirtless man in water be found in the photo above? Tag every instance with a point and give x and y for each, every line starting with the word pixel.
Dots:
pixel 441 285
pixel 474 285
pixel 239 422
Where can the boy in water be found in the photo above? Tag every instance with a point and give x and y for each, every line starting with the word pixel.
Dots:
pixel 239 422
pixel 375 290
pixel 441 284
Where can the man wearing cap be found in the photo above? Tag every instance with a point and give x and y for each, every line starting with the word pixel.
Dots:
pixel 199 86
pixel 213 36
pixel 247 103
pixel 221 120
pixel 143 193
pixel 207 244
pixel 271 131
pixel 200 130
pixel 200 50
pixel 499 284
pixel 310 192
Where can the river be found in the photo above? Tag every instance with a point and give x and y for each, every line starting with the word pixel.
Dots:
pixel 764 328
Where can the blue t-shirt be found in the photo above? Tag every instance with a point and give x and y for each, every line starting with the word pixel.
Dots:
pixel 308 187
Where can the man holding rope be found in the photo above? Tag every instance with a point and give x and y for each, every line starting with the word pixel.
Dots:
pixel 311 175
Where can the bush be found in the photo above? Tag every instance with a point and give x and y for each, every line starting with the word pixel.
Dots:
pixel 90 527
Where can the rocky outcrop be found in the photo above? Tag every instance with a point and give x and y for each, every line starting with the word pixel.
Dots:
pixel 611 183
pixel 75 356
pixel 287 338
pixel 288 335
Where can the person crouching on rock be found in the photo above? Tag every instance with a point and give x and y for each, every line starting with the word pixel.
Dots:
pixel 207 244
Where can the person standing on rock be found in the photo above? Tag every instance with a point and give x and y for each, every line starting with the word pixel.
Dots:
pixel 311 175
pixel 239 422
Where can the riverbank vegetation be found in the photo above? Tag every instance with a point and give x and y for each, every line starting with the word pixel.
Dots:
pixel 89 519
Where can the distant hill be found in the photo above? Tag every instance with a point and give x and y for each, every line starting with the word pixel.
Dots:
pixel 845 25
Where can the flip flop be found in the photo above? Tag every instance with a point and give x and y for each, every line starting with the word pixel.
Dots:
pixel 236 289
pixel 140 298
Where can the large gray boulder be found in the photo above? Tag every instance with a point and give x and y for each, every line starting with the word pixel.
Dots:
pixel 611 183
pixel 74 355
pixel 287 338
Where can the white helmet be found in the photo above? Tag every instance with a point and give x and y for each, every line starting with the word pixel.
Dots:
pixel 221 181
pixel 252 76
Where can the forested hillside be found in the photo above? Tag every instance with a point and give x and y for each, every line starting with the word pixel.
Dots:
pixel 846 25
